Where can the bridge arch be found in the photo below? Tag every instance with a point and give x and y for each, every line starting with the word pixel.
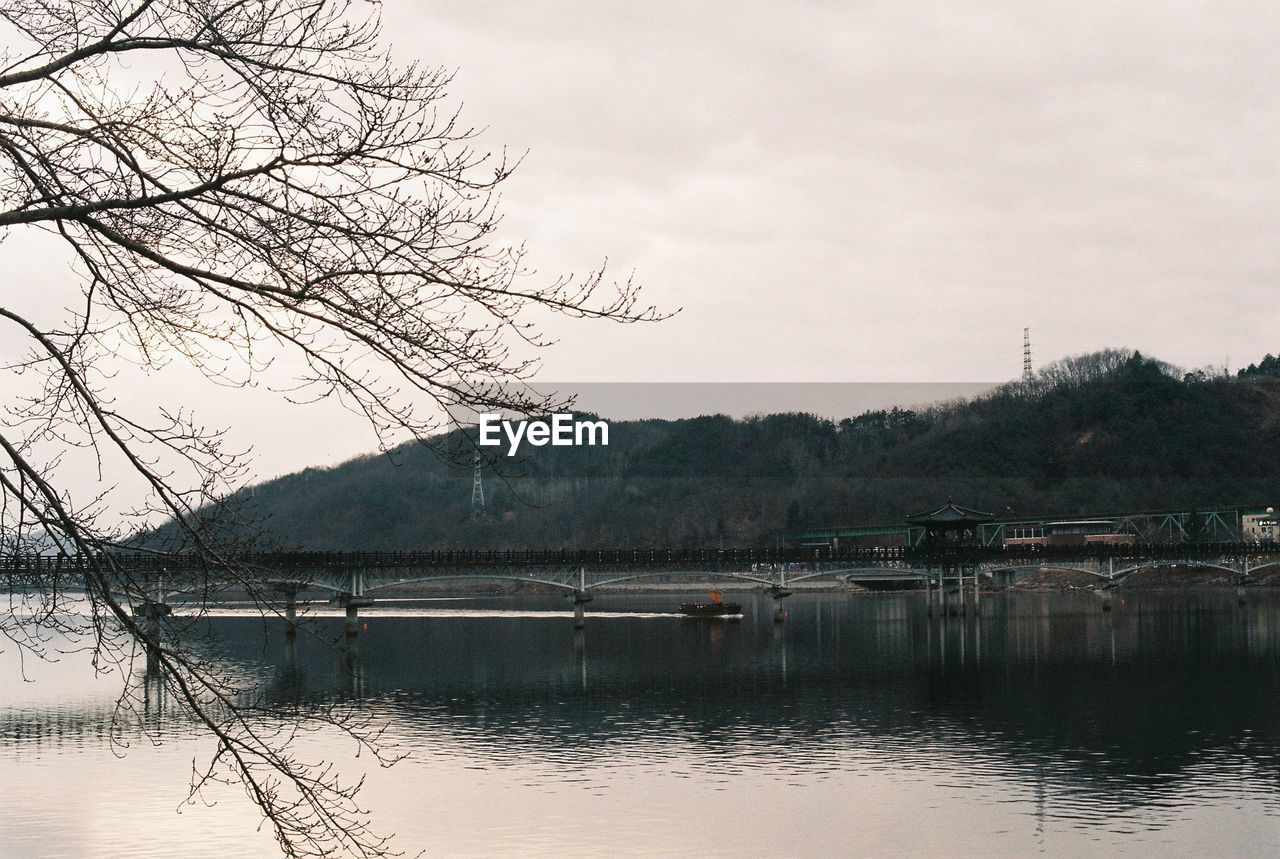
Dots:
pixel 1027 569
pixel 711 575
pixel 867 572
pixel 374 584
pixel 482 577
pixel 1150 565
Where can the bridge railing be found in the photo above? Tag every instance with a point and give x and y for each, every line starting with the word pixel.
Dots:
pixel 265 562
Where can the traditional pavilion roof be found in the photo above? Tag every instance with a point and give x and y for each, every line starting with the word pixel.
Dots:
pixel 949 516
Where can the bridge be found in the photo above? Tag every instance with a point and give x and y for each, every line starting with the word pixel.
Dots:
pixel 354 578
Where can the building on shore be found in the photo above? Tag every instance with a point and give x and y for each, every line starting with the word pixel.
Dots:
pixel 1224 524
pixel 1261 525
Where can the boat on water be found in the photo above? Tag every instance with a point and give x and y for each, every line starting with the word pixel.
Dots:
pixel 713 608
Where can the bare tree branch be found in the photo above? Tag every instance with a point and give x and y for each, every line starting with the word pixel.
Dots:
pixel 259 185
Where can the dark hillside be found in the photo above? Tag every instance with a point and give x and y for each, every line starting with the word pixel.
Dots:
pixel 1112 431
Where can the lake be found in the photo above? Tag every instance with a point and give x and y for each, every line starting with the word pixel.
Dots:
pixel 858 726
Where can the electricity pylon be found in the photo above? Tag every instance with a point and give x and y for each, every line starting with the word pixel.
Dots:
pixel 1026 354
pixel 477 488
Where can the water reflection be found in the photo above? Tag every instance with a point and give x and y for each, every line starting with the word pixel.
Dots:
pixel 1057 724
pixel 1038 676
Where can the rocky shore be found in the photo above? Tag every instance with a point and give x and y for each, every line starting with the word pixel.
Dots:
pixel 1170 577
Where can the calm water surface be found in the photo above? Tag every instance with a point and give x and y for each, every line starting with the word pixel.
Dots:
pixel 858 726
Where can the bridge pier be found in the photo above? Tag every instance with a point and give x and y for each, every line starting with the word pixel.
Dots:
pixel 1241 581
pixel 779 594
pixel 153 605
pixel 290 593
pixel 953 605
pixel 352 604
pixel 580 599
pixel 150 613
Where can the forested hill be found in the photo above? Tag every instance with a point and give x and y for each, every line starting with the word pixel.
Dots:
pixel 1102 432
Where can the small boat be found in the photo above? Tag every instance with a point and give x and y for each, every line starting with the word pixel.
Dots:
pixel 710 609
pixel 714 608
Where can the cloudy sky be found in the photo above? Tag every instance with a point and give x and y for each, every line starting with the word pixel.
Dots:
pixel 854 192
pixel 886 191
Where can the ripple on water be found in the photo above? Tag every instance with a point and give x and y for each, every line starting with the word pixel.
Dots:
pixel 874 731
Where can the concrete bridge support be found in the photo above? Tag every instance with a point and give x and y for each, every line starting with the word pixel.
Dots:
pixel 1001 579
pixel 942 597
pixel 580 600
pixel 1107 589
pixel 150 614
pixel 290 594
pixel 352 599
pixel 953 604
pixel 353 604
pixel 1241 581
pixel 779 594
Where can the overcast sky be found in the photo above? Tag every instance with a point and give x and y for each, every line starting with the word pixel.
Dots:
pixel 886 191
pixel 880 192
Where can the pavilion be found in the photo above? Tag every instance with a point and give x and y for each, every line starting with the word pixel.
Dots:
pixel 950 527
pixel 950 524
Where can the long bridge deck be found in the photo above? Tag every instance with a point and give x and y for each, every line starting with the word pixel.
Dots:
pixel 352 577
pixel 581 569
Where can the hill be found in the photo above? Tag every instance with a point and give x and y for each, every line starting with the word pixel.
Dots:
pixel 1108 431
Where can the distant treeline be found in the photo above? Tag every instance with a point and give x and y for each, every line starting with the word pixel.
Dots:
pixel 1268 366
pixel 1108 431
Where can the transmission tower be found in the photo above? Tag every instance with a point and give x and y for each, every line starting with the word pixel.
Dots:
pixel 1026 354
pixel 477 488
